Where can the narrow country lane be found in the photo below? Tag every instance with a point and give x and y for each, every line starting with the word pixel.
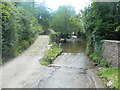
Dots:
pixel 77 45
pixel 70 70
pixel 24 70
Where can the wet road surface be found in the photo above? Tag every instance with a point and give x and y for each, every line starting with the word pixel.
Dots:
pixel 70 70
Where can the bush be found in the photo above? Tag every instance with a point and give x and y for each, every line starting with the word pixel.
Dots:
pixel 103 63
pixel 24 44
pixel 92 55
pixel 89 48
pixel 51 54
pixel 19 27
pixel 96 59
pixel 31 40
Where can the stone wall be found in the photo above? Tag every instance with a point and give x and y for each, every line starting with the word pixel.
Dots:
pixel 111 51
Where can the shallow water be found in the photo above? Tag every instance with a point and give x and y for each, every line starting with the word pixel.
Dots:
pixel 74 46
pixel 72 69
pixel 69 70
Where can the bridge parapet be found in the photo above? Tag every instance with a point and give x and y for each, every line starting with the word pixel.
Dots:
pixel 111 51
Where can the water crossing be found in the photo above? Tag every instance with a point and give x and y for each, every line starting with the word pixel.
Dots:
pixel 72 69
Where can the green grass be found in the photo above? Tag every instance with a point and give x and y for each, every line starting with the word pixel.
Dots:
pixel 108 74
pixel 51 54
pixel 102 62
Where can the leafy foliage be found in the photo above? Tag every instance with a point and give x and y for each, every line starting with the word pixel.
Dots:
pixel 51 54
pixel 40 11
pixel 19 29
pixel 101 20
pixel 43 15
pixel 65 20
pixel 102 62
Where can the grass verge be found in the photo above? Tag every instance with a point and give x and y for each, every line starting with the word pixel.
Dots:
pixel 102 62
pixel 51 54
pixel 110 74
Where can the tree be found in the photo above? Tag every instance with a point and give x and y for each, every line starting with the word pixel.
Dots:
pixel 39 10
pixel 19 29
pixel 101 20
pixel 44 16
pixel 62 19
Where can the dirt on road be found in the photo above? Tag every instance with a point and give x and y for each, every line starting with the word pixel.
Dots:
pixel 25 69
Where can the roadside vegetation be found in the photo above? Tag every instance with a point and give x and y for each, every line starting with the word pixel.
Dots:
pixel 18 30
pixel 101 21
pixel 65 21
pixel 51 54
pixel 20 26
pixel 102 62
pixel 110 75
pixel 22 22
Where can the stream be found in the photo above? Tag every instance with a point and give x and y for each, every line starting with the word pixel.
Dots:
pixel 74 46
pixel 72 69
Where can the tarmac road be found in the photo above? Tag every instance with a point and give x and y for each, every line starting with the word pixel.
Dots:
pixel 24 70
pixel 70 70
